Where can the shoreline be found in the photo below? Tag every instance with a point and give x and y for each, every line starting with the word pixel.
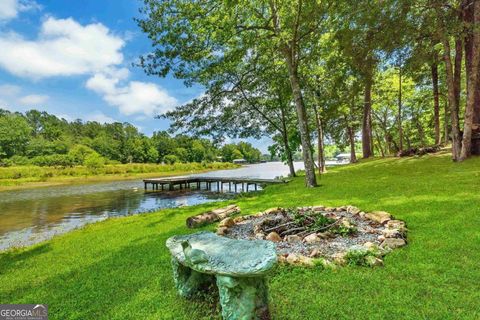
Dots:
pixel 77 180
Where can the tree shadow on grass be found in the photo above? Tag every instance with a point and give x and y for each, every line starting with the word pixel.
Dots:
pixel 13 258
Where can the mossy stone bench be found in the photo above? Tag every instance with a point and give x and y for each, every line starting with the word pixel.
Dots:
pixel 237 266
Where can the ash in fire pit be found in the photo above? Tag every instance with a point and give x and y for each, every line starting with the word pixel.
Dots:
pixel 329 236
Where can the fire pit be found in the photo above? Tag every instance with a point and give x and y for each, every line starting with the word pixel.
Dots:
pixel 321 235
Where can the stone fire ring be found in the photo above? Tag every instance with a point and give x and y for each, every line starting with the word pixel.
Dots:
pixel 376 234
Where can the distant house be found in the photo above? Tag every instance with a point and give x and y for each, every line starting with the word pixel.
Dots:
pixel 343 158
pixel 239 161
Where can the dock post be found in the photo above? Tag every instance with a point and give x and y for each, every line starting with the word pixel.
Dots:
pixel 235 187
pixel 145 185
pixel 170 186
pixel 230 186
pixel 218 186
pixel 162 186
pixel 256 187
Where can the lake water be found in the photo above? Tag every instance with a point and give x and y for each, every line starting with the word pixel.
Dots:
pixel 32 215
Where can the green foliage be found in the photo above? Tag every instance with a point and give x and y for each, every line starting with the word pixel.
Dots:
pixel 357 258
pixel 17 161
pixel 94 161
pixel 14 133
pixel 54 160
pixel 241 150
pixel 40 137
pixel 170 159
pixel 344 230
pixel 321 222
pixel 79 153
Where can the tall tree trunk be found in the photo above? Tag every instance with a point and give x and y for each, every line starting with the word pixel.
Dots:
pixel 472 79
pixel 310 179
pixel 436 101
pixel 290 57
pixel 421 132
pixel 400 128
pixel 367 119
pixel 379 143
pixel 351 138
pixel 286 145
pixel 469 23
pixel 451 85
pixel 409 143
pixel 321 150
pixel 446 134
pixel 457 72
pixel 351 132
pixel 453 96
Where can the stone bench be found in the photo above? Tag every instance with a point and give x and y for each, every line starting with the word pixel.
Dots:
pixel 237 266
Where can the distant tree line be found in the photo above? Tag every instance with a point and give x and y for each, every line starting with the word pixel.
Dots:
pixel 40 138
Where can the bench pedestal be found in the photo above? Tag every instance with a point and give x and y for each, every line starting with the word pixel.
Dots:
pixel 188 281
pixel 243 298
pixel 240 298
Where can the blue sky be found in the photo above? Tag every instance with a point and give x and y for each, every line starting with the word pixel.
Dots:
pixel 74 59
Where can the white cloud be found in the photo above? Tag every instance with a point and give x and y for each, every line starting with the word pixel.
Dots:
pixel 33 99
pixel 9 9
pixel 133 98
pixel 9 90
pixel 66 48
pixel 100 117
pixel 63 48
pixel 11 95
pixel 66 117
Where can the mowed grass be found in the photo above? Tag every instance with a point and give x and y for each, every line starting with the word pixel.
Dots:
pixel 120 268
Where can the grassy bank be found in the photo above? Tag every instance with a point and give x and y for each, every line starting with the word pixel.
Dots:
pixel 33 176
pixel 120 269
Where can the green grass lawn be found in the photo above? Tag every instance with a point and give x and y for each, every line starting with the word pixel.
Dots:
pixel 120 268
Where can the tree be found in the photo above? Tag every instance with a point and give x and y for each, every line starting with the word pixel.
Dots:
pixel 14 134
pixel 364 36
pixel 472 16
pixel 197 50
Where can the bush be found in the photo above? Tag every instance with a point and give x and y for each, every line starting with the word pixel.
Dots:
pixel 170 159
pixel 79 153
pixel 55 160
pixel 19 161
pixel 94 161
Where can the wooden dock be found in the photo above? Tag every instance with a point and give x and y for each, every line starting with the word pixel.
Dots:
pixel 194 182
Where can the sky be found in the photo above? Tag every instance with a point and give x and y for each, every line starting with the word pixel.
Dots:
pixel 75 59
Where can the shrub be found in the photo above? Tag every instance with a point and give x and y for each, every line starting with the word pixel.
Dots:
pixel 55 160
pixel 170 159
pixel 79 153
pixel 17 161
pixel 94 161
